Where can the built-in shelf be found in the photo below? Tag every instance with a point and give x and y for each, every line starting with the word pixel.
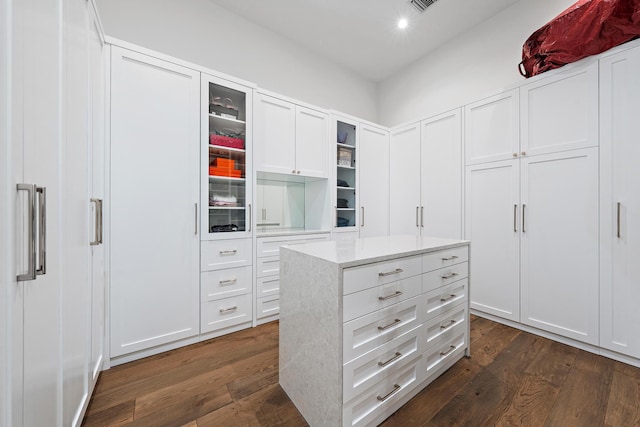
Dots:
pixel 222 147
pixel 227 119
pixel 226 207
pixel 225 178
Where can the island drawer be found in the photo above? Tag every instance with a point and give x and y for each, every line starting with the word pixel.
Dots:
pixel 442 354
pixel 369 300
pixel 444 276
pixel 370 275
pixel 447 325
pixel 445 258
pixel 372 367
pixel 267 306
pixel 440 300
pixel 225 283
pixel 268 266
pixel 267 286
pixel 368 332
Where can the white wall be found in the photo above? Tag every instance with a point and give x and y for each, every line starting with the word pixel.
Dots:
pixel 476 64
pixel 206 34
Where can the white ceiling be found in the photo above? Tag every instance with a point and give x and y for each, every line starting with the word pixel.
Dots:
pixel 363 35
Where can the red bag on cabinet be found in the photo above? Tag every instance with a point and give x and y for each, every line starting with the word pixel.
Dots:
pixel 588 27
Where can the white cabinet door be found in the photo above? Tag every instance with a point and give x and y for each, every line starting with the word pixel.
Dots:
pixel 492 129
pixel 559 243
pixel 441 175
pixel 560 112
pixel 492 224
pixel 275 135
pixel 155 110
pixel 620 203
pixel 373 167
pixel 404 178
pixel 312 139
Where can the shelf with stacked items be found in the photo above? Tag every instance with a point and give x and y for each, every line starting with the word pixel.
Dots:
pixel 345 206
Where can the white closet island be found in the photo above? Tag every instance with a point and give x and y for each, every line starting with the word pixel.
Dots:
pixel 366 324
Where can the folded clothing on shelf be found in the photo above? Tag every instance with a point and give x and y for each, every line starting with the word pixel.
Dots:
pixel 226 141
pixel 224 167
pixel 342 203
pixel 219 200
pixel 342 222
pixel 342 183
pixel 226 227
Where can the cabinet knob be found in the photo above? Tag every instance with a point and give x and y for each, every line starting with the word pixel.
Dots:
pixel 515 154
pixel 293 171
pixel 524 153
pixel 298 172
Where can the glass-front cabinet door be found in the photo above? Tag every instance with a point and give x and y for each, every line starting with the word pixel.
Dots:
pixel 226 159
pixel 346 203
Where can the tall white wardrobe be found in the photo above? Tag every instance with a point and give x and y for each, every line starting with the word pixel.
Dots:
pixel 52 186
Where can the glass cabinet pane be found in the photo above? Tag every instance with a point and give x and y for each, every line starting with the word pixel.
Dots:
pixel 346 175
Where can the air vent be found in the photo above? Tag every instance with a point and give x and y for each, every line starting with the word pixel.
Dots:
pixel 422 5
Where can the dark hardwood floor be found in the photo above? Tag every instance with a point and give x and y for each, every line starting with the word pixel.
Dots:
pixel 513 378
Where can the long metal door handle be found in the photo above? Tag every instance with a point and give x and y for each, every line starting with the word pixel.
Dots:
pixel 451 349
pixel 96 237
pixel 395 322
pixel 417 216
pixel 389 273
pixel 515 218
pixel 42 231
pixel 422 216
pixel 31 226
pixel 395 357
pixel 618 233
pixel 250 216
pixel 393 295
pixel 523 213
pixel 362 217
pixel 196 219
pixel 100 221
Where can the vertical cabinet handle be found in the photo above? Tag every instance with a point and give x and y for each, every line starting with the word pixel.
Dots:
pixel 97 231
pixel 196 219
pixel 618 234
pixel 250 217
pixel 515 218
pixel 41 224
pixel 362 216
pixel 41 192
pixel 422 216
pixel 31 238
pixel 523 212
pixel 417 216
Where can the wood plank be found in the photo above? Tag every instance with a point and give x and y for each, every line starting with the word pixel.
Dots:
pixel 510 363
pixel 582 401
pixel 489 345
pixel 117 415
pixel 623 408
pixel 554 362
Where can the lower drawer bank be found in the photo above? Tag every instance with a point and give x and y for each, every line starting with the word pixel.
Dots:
pixel 366 324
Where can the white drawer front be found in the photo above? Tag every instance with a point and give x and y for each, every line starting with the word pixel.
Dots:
pixel 440 300
pixel 367 276
pixel 446 326
pixel 268 266
pixel 225 254
pixel 226 283
pixel 444 258
pixel 220 314
pixel 268 286
pixel 270 246
pixel 369 300
pixel 365 408
pixel 444 276
pixel 372 367
pixel 368 332
pixel 267 307
pixel 441 354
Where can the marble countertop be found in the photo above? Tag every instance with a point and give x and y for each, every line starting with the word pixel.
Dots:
pixel 265 232
pixel 350 253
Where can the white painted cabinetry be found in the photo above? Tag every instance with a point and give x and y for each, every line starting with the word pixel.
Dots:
pixel 154 183
pixel 426 177
pixel 373 181
pixel 620 203
pixel 290 139
pixel 533 220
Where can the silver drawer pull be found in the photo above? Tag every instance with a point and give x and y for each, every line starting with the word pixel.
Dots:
pixel 449 276
pixel 397 355
pixel 228 282
pixel 389 273
pixel 395 322
pixel 397 294
pixel 396 388
pixel 451 258
pixel 448 325
pixel 226 310
pixel 231 252
pixel 451 349
pixel 449 298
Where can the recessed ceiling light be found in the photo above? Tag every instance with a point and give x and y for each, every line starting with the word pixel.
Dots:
pixel 402 23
